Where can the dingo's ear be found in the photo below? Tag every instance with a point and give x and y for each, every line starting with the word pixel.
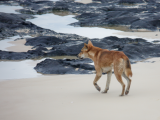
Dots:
pixel 86 45
pixel 90 43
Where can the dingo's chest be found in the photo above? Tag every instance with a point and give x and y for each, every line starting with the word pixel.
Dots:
pixel 106 69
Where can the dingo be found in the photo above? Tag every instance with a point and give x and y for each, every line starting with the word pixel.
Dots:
pixel 104 60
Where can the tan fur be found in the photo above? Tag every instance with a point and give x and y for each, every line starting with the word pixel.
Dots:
pixel 104 60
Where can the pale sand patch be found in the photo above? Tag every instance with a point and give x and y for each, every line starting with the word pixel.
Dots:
pixel 145 35
pixel 84 1
pixel 19 46
pixel 73 97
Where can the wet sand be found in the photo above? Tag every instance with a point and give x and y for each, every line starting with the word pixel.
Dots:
pixel 84 1
pixel 73 97
pixel 145 35
pixel 19 46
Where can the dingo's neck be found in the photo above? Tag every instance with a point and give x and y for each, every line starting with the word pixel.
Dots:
pixel 93 51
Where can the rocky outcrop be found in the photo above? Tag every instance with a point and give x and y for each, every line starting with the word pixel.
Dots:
pixel 135 49
pixel 136 1
pixel 66 66
pixel 138 14
pixel 45 41
pixel 16 24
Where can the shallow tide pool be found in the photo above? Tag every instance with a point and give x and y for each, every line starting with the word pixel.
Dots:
pixel 61 24
pixel 17 69
pixel 59 21
pixel 9 9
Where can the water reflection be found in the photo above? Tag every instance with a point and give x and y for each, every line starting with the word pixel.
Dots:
pixel 4 44
pixel 60 23
pixel 9 9
pixel 15 44
pixel 17 69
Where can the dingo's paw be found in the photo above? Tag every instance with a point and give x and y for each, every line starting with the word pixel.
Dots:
pixel 121 95
pixel 104 91
pixel 126 93
pixel 98 88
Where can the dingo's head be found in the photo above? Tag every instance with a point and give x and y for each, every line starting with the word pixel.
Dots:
pixel 85 50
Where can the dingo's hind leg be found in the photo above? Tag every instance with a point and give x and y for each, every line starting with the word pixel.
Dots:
pixel 128 83
pixel 119 78
pixel 118 70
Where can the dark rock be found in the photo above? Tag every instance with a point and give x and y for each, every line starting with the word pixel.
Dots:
pixel 5 55
pixel 30 54
pixel 41 49
pixel 45 41
pixel 151 24
pixel 140 51
pixel 125 20
pixel 131 1
pixel 67 66
pixel 156 41
pixel 136 1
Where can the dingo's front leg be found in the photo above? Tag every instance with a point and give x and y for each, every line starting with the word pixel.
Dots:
pixel 98 76
pixel 109 74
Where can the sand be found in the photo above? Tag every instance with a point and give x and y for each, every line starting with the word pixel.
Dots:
pixel 84 1
pixel 145 35
pixel 73 97
pixel 19 46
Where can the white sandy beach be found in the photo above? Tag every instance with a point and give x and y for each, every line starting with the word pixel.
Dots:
pixel 73 97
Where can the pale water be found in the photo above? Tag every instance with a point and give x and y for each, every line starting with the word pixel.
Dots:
pixel 9 9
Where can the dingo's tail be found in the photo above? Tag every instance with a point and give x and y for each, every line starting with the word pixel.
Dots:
pixel 128 70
